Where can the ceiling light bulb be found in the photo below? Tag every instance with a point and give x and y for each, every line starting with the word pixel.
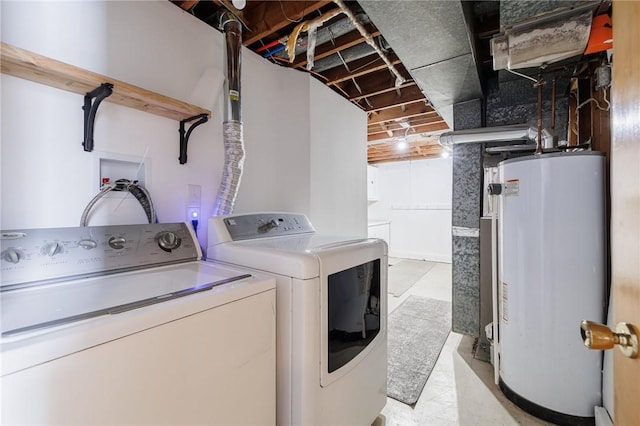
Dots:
pixel 402 144
pixel 239 4
pixel 445 154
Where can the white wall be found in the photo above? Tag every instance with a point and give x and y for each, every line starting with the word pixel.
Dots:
pixel 415 197
pixel 276 132
pixel 47 179
pixel 338 200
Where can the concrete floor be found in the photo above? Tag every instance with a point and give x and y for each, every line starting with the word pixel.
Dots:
pixel 460 390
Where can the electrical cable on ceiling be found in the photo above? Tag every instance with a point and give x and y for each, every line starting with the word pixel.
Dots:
pixel 367 64
pixel 304 5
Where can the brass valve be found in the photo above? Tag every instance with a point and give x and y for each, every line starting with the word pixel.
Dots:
pixel 599 337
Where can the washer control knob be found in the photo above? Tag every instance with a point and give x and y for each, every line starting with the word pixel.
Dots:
pixel 117 242
pixel 51 249
pixel 168 240
pixel 12 255
pixel 87 244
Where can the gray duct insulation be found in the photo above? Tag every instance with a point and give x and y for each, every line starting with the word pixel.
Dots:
pixel 232 126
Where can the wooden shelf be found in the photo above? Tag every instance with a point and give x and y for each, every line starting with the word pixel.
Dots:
pixel 31 66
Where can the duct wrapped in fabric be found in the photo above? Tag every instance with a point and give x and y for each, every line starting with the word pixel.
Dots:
pixel 232 172
pixel 232 127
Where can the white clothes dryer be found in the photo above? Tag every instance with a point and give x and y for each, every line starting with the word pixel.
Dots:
pixel 331 314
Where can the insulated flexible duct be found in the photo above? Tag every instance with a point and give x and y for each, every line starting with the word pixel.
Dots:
pixel 232 126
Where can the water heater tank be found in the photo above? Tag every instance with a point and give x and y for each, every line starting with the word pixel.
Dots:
pixel 552 275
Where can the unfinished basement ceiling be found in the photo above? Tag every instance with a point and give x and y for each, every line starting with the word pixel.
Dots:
pixel 439 50
pixel 347 64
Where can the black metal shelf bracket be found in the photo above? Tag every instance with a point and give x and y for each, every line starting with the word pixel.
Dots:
pixel 184 135
pixel 90 110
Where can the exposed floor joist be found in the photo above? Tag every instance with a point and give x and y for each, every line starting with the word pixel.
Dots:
pixel 415 150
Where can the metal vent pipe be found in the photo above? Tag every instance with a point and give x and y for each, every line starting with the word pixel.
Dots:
pixel 485 134
pixel 232 126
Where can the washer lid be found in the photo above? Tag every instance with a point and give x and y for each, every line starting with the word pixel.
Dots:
pixel 24 350
pixel 292 256
pixel 46 306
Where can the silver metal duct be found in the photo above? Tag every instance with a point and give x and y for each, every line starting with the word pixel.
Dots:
pixel 539 42
pixel 486 134
pixel 232 126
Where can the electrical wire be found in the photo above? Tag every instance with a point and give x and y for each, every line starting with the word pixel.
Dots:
pixel 304 5
pixel 604 97
pixel 521 75
pixel 596 102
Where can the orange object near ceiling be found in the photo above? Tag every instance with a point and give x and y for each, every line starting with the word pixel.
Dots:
pixel 601 37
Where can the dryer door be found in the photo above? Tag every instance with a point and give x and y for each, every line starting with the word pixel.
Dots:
pixel 352 306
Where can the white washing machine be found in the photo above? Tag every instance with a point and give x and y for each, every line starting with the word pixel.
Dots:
pixel 125 325
pixel 331 314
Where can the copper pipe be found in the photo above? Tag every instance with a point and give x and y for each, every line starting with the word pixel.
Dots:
pixel 553 106
pixel 539 141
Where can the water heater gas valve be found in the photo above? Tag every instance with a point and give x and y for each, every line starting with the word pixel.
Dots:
pixel 495 188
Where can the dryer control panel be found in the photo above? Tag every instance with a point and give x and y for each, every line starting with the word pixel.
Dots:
pixel 35 255
pixel 262 225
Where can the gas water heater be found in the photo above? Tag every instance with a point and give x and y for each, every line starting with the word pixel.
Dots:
pixel 552 262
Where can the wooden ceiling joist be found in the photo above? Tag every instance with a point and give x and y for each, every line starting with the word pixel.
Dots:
pixel 396 154
pixel 393 126
pixel 395 113
pixel 416 150
pixel 381 91
pixel 375 83
pixel 392 147
pixel 359 67
pixel 425 128
pixel 391 99
pixel 427 117
pixel 268 20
